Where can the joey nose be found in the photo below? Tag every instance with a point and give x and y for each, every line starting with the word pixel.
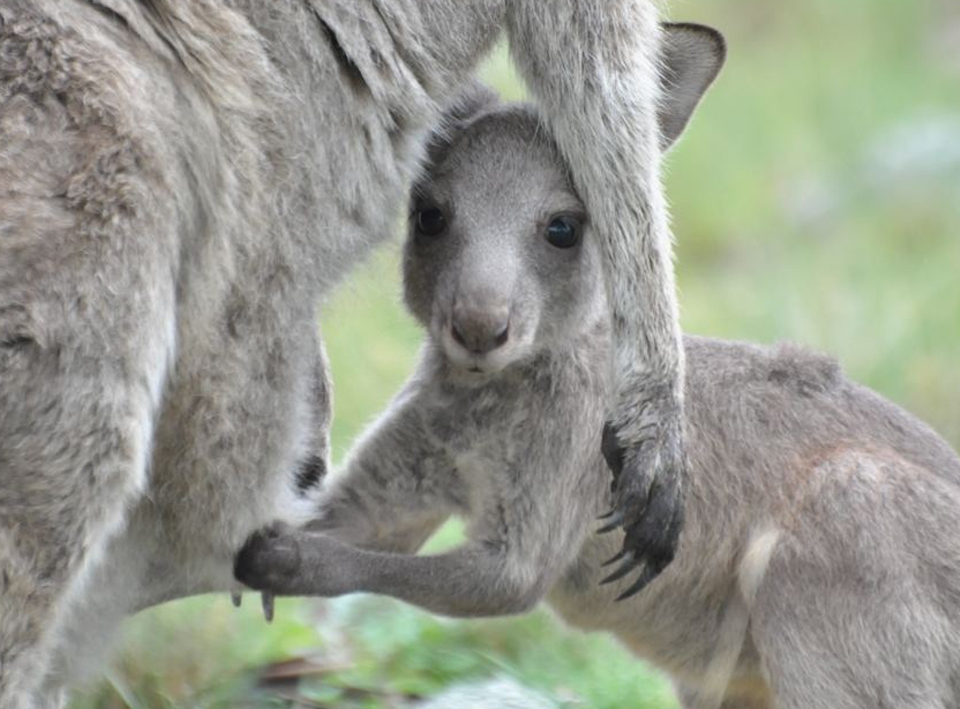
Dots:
pixel 480 331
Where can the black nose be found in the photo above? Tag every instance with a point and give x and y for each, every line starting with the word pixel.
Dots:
pixel 480 332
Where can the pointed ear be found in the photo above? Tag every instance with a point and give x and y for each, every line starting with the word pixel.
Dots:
pixel 470 102
pixel 691 57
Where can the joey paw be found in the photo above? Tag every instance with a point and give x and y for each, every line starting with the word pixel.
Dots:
pixel 269 560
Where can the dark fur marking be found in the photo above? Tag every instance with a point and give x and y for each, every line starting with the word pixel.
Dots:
pixel 347 66
pixel 110 13
pixel 161 29
pixel 398 123
pixel 808 378
pixel 398 47
pixel 311 472
pixel 236 317
pixel 355 215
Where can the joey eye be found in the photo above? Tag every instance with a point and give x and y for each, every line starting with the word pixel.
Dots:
pixel 431 221
pixel 563 232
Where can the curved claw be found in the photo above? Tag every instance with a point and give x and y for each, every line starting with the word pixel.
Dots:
pixel 267 601
pixel 612 452
pixel 615 521
pixel 615 558
pixel 656 536
pixel 607 515
pixel 647 492
pixel 646 576
pixel 628 565
pixel 658 552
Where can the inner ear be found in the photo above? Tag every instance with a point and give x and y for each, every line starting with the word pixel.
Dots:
pixel 691 58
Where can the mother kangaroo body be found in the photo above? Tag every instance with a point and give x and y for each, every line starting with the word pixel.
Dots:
pixel 180 183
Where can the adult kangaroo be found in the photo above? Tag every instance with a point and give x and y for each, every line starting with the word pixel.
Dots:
pixel 181 181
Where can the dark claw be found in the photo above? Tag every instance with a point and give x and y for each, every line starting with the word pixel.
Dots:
pixel 628 565
pixel 612 451
pixel 607 515
pixel 647 492
pixel 613 524
pixel 655 536
pixel 664 553
pixel 615 558
pixel 646 576
pixel 266 600
pixel 236 598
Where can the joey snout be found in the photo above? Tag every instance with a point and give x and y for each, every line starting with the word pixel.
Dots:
pixel 479 329
pixel 483 333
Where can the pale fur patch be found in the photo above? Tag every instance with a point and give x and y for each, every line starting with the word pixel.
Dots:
pixel 733 629
pixel 756 559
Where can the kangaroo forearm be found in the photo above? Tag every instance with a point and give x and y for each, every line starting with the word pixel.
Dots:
pixel 600 103
pixel 467 582
pixel 462 583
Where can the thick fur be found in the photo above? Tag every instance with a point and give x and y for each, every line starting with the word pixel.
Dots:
pixel 819 565
pixel 180 183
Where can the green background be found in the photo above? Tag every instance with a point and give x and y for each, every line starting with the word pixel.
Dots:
pixel 815 198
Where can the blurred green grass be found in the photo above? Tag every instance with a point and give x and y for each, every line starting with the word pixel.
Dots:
pixel 815 198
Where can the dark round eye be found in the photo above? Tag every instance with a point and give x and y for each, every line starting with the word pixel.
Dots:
pixel 431 221
pixel 563 232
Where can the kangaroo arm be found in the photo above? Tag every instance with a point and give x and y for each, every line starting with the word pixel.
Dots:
pixel 594 68
pixel 395 489
pixel 522 538
pixel 593 65
pixel 467 582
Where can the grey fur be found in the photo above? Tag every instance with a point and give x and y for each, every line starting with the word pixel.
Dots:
pixel 180 183
pixel 819 564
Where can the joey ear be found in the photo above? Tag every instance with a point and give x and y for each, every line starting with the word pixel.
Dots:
pixel 691 57
pixel 472 100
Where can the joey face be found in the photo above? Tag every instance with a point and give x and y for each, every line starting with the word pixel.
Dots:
pixel 498 263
